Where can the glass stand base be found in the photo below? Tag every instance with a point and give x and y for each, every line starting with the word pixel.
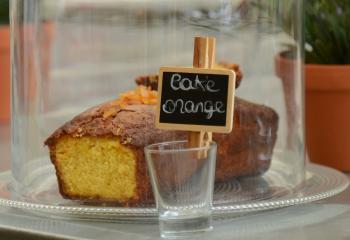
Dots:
pixel 229 198
pixel 184 227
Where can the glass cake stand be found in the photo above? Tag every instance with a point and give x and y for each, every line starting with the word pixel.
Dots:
pixel 238 196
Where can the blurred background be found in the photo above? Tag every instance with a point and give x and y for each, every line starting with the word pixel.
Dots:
pixel 79 41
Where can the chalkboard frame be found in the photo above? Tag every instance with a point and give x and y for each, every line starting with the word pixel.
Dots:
pixel 193 127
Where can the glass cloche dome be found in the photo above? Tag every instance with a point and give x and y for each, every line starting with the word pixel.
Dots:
pixel 84 85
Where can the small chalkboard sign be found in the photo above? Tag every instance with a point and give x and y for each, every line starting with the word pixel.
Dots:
pixel 195 99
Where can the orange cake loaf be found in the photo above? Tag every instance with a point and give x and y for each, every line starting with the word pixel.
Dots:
pixel 98 155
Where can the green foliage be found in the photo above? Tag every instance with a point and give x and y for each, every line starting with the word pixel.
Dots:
pixel 327 31
pixel 4 11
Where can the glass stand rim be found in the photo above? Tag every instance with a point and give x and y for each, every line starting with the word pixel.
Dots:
pixel 322 182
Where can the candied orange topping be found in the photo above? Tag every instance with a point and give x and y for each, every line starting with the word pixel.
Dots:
pixel 141 95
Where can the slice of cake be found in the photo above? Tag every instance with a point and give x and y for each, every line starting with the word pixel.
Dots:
pixel 99 155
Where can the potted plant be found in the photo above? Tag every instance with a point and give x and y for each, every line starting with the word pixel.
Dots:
pixel 327 80
pixel 4 61
pixel 327 75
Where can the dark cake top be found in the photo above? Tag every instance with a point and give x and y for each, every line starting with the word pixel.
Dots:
pixel 134 124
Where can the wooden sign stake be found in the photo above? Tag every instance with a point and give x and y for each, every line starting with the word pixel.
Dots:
pixel 203 57
pixel 198 99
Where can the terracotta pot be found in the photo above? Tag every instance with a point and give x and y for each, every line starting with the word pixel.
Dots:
pixel 285 68
pixel 37 41
pixel 327 105
pixel 4 73
pixel 29 76
pixel 327 109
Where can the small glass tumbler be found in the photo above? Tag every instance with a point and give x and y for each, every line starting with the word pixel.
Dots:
pixel 183 184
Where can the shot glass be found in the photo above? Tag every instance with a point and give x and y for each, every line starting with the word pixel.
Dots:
pixel 183 182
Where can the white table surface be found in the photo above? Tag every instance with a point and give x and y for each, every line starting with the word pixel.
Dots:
pixel 326 219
